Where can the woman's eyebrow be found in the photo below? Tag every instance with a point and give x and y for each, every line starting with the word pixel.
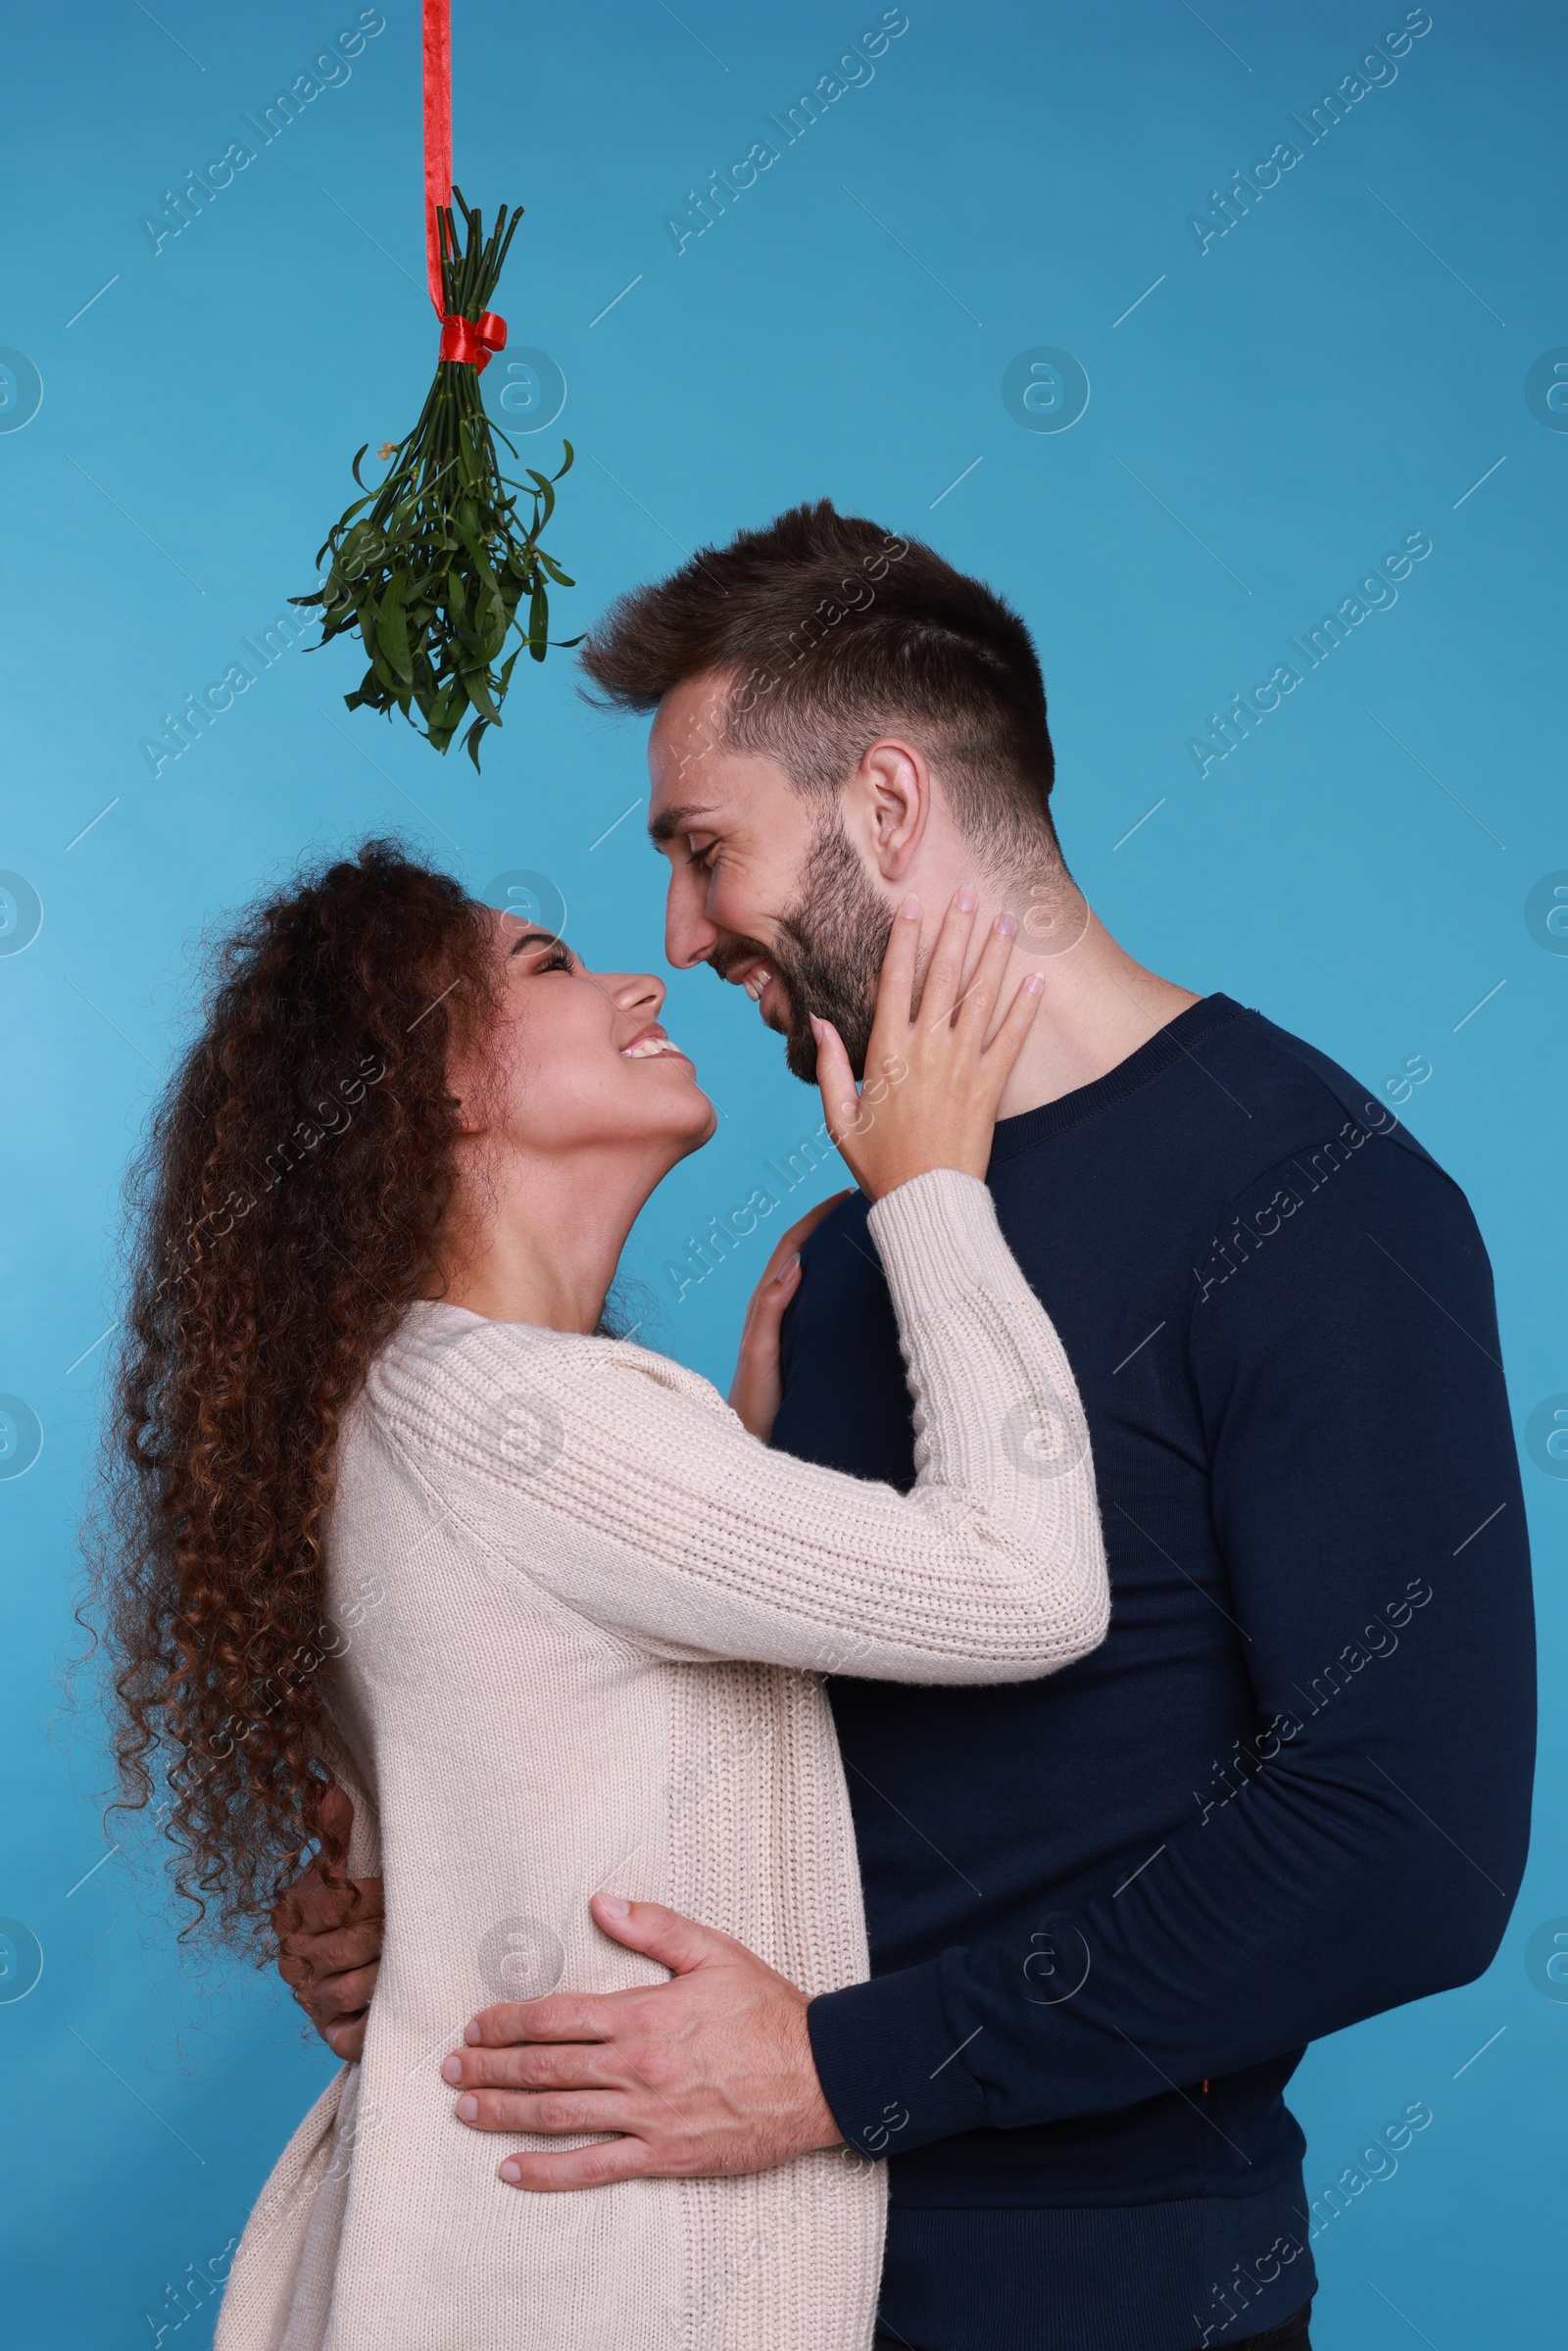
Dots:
pixel 538 938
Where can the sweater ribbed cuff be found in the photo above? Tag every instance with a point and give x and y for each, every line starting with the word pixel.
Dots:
pixel 939 1241
pixel 890 2064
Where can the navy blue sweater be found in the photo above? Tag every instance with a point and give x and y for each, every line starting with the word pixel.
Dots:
pixel 1108 1910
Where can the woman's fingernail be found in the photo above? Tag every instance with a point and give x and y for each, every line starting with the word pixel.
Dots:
pixel 966 902
pixel 615 1906
pixel 511 2172
pixel 1006 924
pixel 911 910
pixel 469 2109
pixel 470 2033
pixel 790 1265
pixel 1034 985
pixel 452 2069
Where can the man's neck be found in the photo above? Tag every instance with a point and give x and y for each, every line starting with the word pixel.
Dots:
pixel 1097 1009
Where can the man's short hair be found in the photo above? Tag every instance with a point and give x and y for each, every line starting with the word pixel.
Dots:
pixel 832 631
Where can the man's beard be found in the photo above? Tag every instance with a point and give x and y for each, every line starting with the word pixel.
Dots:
pixel 828 952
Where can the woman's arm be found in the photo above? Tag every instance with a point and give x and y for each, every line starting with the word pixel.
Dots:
pixel 637 1499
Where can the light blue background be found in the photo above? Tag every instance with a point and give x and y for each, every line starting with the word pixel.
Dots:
pixel 1275 414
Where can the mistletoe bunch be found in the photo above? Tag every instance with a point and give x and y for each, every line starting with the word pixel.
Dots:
pixel 433 574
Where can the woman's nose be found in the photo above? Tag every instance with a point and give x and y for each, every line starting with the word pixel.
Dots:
pixel 633 990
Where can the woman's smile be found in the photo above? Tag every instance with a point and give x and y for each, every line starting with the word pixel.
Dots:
pixel 652 1043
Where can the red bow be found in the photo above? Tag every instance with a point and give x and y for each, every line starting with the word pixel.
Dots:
pixel 471 341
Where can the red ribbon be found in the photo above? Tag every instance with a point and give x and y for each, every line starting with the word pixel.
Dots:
pixel 471 341
pixel 437 139
pixel 466 341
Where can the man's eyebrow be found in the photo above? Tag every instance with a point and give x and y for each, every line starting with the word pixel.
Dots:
pixel 670 822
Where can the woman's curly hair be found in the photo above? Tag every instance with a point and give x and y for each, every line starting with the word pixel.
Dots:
pixel 289 1206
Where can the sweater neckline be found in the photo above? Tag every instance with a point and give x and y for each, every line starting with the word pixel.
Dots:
pixel 1169 1046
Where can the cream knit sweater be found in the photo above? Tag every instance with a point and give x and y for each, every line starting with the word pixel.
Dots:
pixel 587 1615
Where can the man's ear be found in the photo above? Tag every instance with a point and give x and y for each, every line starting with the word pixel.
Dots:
pixel 891 794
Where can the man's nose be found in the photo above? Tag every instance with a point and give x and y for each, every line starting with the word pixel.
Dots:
pixel 689 935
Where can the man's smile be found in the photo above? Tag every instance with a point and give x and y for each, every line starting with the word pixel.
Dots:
pixel 761 982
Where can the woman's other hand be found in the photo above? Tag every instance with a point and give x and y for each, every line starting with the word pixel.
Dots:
pixel 756 1387
pixel 931 1082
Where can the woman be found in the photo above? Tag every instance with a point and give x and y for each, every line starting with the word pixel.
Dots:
pixel 401 1513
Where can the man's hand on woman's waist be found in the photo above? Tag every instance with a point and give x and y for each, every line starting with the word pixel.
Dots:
pixel 708 2073
pixel 330 1942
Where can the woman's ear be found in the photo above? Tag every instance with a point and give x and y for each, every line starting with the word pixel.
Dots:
pixel 465 1085
pixel 892 787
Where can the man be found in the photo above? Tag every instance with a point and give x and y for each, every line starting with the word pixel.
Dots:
pixel 1107 1911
